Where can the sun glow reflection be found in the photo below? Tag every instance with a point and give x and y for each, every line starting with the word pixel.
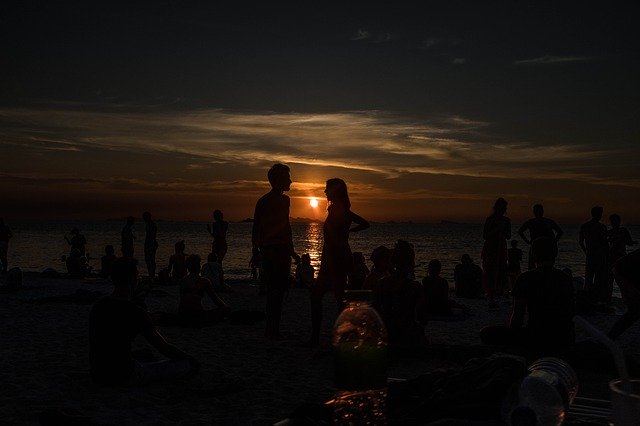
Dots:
pixel 313 202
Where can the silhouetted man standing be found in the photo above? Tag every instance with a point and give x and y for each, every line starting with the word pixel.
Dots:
pixel 593 241
pixel 150 244
pixel 538 227
pixel 272 242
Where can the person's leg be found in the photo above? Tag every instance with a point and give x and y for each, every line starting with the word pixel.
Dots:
pixel 317 292
pixel 277 265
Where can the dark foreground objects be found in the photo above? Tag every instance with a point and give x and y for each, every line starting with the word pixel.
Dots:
pixel 107 260
pixel 593 242
pixel 193 288
pixel 546 296
pixel 272 243
pixel 5 236
pixel 496 232
pixel 150 244
pixel 113 324
pixel 627 274
pixel 538 227
pixel 128 238
pixel 77 241
pixel 468 279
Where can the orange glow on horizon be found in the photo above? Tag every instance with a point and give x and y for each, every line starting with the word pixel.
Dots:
pixel 313 202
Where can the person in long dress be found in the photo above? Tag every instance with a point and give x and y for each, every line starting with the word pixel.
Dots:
pixel 496 232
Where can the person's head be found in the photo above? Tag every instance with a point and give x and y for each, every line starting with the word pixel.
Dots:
pixel 146 216
pixel 305 259
pixel 75 231
pixel 403 257
pixel 381 257
pixel 514 243
pixel 358 258
pixel 130 220
pixel 192 263
pixel 500 206
pixel 596 212
pixel 434 268
pixel 212 257
pixel 279 177
pixel 615 220
pixel 217 215
pixel 124 275
pixel 466 259
pixel 109 250
pixel 336 191
pixel 538 210
pixel 179 246
pixel 544 250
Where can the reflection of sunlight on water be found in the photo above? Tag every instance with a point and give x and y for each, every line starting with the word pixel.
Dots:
pixel 311 242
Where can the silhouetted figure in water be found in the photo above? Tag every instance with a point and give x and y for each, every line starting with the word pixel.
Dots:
pixel 359 272
pixel 128 238
pixel 546 296
pixel 77 265
pixel 193 288
pixel 514 257
pixel 77 241
pixel 336 261
pixel 107 261
pixel 114 323
pixel 381 259
pixel 272 244
pixel 468 279
pixel 150 244
pixel 400 298
pixel 539 226
pixel 496 232
pixel 627 275
pixel 177 262
pixel 218 230
pixel 619 238
pixel 593 241
pixel 305 272
pixel 5 236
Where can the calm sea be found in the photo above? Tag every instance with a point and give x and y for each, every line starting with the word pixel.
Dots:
pixel 37 246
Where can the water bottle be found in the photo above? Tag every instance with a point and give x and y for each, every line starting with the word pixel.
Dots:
pixel 543 397
pixel 360 363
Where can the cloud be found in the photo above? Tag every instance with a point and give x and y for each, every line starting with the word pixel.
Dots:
pixel 431 42
pixel 381 37
pixel 361 35
pixel 543 60
pixel 386 144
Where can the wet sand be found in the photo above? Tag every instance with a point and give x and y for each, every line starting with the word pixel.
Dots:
pixel 245 379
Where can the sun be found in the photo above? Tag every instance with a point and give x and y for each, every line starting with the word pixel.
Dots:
pixel 313 202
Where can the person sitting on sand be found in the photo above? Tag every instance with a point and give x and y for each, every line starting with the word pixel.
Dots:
pixel 359 272
pixel 107 261
pixel 436 293
pixel 193 287
pixel 381 259
pixel 76 263
pixel 77 241
pixel 213 272
pixel 399 298
pixel 467 278
pixel 546 296
pixel 305 272
pixel 114 323
pixel 627 274
pixel 177 266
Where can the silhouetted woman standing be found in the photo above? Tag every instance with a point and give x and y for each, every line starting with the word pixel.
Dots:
pixel 336 260
pixel 496 232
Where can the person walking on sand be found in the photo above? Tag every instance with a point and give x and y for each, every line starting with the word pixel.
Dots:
pixel 150 244
pixel 336 260
pixel 128 238
pixel 539 226
pixel 272 243
pixel 496 232
pixel 593 242
pixel 5 236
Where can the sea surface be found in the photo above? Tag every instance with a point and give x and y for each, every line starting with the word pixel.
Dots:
pixel 40 245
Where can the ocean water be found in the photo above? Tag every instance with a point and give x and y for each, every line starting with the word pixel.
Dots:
pixel 40 245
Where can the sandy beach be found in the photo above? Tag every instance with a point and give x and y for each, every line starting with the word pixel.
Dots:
pixel 245 378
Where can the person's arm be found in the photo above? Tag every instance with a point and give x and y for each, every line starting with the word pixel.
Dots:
pixel 292 251
pixel 256 231
pixel 581 239
pixel 522 234
pixel 208 288
pixel 361 223
pixel 558 230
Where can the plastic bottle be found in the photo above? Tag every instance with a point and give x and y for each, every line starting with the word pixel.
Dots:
pixel 543 397
pixel 360 363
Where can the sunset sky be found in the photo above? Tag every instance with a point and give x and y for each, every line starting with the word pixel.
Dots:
pixel 428 114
